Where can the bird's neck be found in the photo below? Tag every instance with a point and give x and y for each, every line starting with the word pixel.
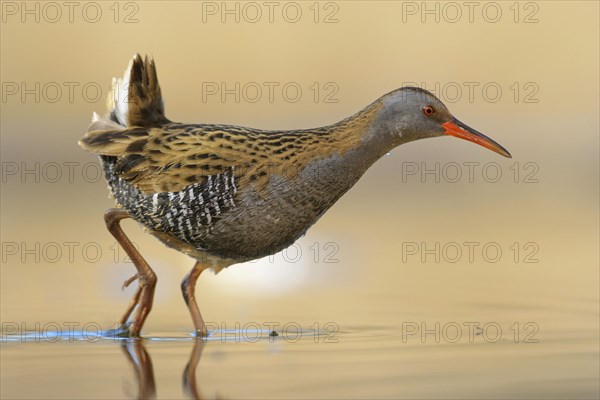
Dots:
pixel 356 142
pixel 343 153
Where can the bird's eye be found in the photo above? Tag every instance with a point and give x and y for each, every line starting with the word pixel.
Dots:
pixel 428 110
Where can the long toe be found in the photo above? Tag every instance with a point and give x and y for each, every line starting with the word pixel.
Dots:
pixel 130 281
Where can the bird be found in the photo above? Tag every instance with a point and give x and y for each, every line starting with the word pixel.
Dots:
pixel 225 194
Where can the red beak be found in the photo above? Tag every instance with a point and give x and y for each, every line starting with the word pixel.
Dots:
pixel 460 130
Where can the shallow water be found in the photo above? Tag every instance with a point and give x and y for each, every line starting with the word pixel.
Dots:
pixel 410 359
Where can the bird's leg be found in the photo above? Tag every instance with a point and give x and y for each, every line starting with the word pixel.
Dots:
pixel 134 302
pixel 145 293
pixel 188 286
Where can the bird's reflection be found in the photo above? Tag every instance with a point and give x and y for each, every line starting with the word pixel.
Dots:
pixel 140 360
pixel 189 373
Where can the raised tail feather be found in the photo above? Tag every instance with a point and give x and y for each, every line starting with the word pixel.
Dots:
pixel 133 101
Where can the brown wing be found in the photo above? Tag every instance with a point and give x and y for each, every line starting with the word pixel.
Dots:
pixel 169 158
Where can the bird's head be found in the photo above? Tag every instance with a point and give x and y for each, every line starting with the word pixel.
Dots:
pixel 411 113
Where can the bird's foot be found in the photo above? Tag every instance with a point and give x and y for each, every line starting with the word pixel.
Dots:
pixel 201 333
pixel 130 281
pixel 130 330
pixel 122 331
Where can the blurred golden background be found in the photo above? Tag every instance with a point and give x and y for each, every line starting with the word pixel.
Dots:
pixel 441 231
